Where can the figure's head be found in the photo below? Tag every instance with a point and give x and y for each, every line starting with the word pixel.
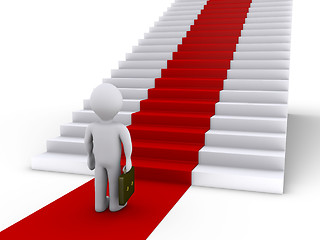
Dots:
pixel 106 101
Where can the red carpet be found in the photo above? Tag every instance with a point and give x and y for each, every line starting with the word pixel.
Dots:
pixel 73 216
pixel 169 130
pixel 167 135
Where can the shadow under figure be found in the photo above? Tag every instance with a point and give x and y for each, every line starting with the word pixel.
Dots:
pixel 103 143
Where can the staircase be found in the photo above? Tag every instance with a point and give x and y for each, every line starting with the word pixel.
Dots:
pixel 205 98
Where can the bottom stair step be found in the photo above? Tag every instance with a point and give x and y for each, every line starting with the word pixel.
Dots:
pixel 238 179
pixel 178 172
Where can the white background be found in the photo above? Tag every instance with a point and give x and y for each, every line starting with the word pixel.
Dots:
pixel 53 53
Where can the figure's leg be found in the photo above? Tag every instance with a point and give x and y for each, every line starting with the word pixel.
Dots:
pixel 101 177
pixel 113 175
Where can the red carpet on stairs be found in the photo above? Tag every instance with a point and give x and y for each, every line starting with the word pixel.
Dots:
pixel 167 135
pixel 169 130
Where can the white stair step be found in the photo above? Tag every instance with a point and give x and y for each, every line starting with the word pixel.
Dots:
pixel 188 4
pixel 268 19
pixel 165 35
pixel 186 7
pixel 160 41
pixel 272 25
pixel 134 93
pixel 128 105
pixel 68 145
pixel 261 64
pixel 238 179
pixel 279 74
pixel 250 124
pixel 191 1
pixel 265 32
pixel 131 82
pixel 76 130
pixel 174 23
pixel 242 158
pixel 249 140
pixel 254 96
pixel 142 64
pixel 149 56
pixel 154 48
pixel 178 18
pixel 170 28
pixel 271 4
pixel 135 73
pixel 269 14
pixel 61 162
pixel 255 8
pixel 256 84
pixel 252 109
pixel 88 116
pixel 263 47
pixel 172 12
pixel 265 39
pixel 268 1
pixel 262 55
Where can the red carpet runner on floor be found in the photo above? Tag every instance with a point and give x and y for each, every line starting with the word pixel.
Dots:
pixel 167 135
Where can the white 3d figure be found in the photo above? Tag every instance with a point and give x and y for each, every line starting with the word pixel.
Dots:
pixel 103 143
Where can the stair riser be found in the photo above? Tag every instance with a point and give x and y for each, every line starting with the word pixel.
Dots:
pixel 271 4
pixel 264 39
pixel 142 64
pixel 170 28
pixel 277 74
pixel 160 41
pixel 214 55
pixel 253 110
pixel 72 131
pixel 231 181
pixel 280 19
pixel 136 73
pixel 249 125
pixel 190 4
pixel 178 18
pixel 164 35
pixel 182 13
pixel 172 121
pixel 265 32
pixel 254 97
pixel 131 82
pixel 276 25
pixel 178 107
pixel 174 23
pixel 66 147
pixel 134 93
pixel 149 56
pixel 127 105
pixel 262 64
pixel 163 175
pixel 241 160
pixel 195 84
pixel 153 49
pixel 256 85
pixel 249 142
pixel 184 94
pixel 263 47
pixel 180 8
pixel 190 73
pixel 180 137
pixel 89 117
pixel 256 9
pixel 166 154
pixel 274 55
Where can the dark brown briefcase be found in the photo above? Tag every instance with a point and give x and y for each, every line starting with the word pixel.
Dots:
pixel 126 186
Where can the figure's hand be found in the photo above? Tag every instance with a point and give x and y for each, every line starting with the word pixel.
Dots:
pixel 91 162
pixel 128 165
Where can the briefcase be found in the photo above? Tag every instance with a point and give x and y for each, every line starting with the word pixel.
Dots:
pixel 126 186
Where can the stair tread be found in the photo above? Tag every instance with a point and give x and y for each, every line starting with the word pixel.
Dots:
pixel 249 118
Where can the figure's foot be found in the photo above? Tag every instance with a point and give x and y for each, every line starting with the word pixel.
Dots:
pixel 104 207
pixel 117 208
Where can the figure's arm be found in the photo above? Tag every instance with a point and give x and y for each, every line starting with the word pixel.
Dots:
pixel 88 141
pixel 127 145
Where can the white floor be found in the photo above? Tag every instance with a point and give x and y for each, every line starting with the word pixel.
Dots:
pixel 54 53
